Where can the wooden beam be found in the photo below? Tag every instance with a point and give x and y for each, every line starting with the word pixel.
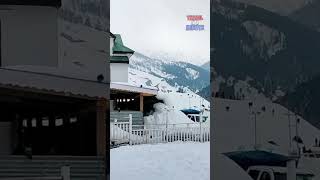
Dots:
pixel 141 103
pixel 101 127
pixel 101 131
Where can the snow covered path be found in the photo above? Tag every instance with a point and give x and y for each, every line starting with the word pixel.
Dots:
pixel 171 161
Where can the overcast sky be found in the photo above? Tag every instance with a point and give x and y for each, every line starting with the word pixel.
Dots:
pixel 158 26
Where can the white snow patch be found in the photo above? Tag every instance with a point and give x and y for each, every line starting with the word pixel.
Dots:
pixel 171 161
pixel 163 115
pixel 267 40
pixel 192 74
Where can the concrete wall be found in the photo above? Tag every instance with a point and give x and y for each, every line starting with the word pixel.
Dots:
pixel 111 45
pixel 119 72
pixel 29 35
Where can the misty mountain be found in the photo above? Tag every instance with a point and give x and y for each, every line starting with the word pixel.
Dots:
pixel 282 7
pixel 254 46
pixel 176 73
pixel 308 15
pixel 92 13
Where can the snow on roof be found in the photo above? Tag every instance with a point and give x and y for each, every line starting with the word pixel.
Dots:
pixel 133 88
pixel 51 83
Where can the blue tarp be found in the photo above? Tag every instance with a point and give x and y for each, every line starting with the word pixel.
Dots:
pixel 191 111
pixel 256 158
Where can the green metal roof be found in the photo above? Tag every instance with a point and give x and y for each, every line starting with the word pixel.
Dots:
pixel 119 47
pixel 119 59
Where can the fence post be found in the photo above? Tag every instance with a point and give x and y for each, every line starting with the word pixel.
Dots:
pixel 200 121
pixel 130 128
pixel 65 172
pixel 188 132
pixel 167 126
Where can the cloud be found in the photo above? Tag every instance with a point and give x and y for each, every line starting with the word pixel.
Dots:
pixel 158 26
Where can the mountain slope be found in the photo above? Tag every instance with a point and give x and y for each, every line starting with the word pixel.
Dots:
pixel 283 7
pixel 254 45
pixel 206 66
pixel 308 15
pixel 305 100
pixel 177 74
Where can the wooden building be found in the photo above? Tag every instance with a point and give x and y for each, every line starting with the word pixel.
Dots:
pixel 47 120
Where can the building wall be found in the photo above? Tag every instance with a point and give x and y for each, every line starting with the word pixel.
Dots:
pixel 31 40
pixel 29 36
pixel 119 72
pixel 111 45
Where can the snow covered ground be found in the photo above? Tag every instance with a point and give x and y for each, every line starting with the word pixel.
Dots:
pixel 171 161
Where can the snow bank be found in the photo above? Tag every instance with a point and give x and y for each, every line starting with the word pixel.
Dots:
pixel 118 134
pixel 163 115
pixel 184 100
pixel 171 161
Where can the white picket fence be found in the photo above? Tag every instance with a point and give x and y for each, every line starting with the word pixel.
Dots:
pixel 124 133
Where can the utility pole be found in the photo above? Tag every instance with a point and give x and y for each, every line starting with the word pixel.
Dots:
pixel 255 129
pixel 290 133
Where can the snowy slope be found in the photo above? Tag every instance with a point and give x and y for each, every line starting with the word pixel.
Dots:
pixel 171 161
pixel 234 129
pixel 174 72
pixel 137 77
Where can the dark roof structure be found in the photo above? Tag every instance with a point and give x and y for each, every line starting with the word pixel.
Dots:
pixel 119 59
pixel 52 3
pixel 256 158
pixel 112 35
pixel 190 111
